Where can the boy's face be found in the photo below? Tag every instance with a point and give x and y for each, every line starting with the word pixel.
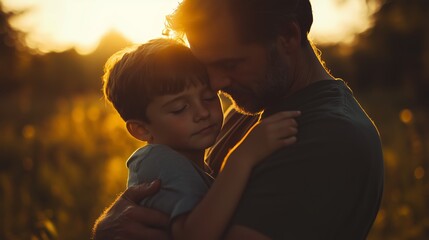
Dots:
pixel 189 120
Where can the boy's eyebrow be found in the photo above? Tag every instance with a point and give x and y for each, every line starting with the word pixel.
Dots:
pixel 183 95
pixel 177 98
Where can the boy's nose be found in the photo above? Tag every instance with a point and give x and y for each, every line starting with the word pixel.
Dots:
pixel 201 113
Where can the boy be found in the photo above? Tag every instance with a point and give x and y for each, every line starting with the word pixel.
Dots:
pixel 161 90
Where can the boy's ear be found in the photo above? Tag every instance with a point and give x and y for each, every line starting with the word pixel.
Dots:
pixel 139 130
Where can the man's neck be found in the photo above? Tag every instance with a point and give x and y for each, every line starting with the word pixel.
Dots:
pixel 309 70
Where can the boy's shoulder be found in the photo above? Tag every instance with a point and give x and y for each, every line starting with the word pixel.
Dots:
pixel 154 154
pixel 155 161
pixel 150 149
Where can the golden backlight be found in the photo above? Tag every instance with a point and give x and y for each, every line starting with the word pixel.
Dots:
pixel 56 25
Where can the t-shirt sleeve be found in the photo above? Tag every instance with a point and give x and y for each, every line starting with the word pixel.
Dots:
pixel 182 186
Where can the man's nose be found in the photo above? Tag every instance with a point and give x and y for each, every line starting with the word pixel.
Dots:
pixel 218 80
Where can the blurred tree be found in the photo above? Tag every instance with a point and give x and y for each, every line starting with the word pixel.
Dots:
pixel 11 46
pixel 58 141
pixel 393 53
pixel 111 42
pixel 387 66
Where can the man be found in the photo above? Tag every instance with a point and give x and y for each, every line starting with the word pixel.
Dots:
pixel 329 184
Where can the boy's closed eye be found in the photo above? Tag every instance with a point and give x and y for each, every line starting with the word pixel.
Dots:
pixel 210 97
pixel 178 109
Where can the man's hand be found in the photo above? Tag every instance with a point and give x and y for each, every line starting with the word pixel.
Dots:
pixel 125 219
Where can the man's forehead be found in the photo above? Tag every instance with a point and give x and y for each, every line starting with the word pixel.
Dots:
pixel 216 38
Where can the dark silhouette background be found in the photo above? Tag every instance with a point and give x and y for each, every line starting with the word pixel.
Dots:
pixel 63 148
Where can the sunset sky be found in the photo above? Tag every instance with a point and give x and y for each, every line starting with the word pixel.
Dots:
pixel 56 25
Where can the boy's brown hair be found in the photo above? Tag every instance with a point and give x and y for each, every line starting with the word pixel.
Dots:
pixel 134 76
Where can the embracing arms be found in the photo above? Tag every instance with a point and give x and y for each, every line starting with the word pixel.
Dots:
pixel 125 219
pixel 209 219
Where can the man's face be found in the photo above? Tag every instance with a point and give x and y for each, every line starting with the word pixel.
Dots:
pixel 253 75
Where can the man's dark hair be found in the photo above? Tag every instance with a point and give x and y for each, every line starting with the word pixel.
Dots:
pixel 257 21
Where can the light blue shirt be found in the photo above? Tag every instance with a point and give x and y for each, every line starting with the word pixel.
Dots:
pixel 183 184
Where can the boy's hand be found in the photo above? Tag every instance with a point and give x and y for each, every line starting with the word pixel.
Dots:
pixel 125 219
pixel 266 136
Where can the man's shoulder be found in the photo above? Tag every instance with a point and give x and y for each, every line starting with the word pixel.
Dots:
pixel 341 138
pixel 331 140
pixel 338 117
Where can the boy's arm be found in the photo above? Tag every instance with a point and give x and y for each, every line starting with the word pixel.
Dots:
pixel 235 126
pixel 209 219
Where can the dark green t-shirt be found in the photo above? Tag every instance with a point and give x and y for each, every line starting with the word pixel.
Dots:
pixel 329 184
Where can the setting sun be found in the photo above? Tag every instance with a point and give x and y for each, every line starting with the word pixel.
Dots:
pixel 56 25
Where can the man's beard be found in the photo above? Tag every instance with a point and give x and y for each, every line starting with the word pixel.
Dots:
pixel 271 89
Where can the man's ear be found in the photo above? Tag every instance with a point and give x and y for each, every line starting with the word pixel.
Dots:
pixel 290 39
pixel 139 130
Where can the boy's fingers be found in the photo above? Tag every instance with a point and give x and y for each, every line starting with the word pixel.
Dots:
pixel 292 130
pixel 290 140
pixel 286 132
pixel 291 123
pixel 285 127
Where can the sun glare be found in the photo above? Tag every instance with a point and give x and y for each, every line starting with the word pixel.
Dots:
pixel 339 21
pixel 56 25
